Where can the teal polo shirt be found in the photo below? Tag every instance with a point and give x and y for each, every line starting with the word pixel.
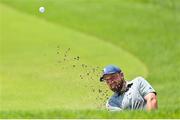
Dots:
pixel 133 98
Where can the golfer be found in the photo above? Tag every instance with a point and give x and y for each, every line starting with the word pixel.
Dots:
pixel 130 95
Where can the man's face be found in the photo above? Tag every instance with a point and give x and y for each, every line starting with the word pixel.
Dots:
pixel 114 81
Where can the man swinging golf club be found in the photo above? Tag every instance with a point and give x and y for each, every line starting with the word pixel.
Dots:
pixel 135 94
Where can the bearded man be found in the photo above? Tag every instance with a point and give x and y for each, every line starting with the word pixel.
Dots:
pixel 130 95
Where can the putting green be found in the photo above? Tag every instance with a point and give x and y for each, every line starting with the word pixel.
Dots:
pixel 34 75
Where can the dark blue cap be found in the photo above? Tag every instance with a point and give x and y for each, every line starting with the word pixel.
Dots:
pixel 110 69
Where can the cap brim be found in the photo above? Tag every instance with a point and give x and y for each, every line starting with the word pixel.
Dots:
pixel 101 79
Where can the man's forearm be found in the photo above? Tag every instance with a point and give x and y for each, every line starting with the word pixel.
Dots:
pixel 152 104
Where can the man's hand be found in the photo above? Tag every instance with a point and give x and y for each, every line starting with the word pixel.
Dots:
pixel 151 99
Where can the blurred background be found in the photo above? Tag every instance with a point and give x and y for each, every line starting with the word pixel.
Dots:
pixel 50 62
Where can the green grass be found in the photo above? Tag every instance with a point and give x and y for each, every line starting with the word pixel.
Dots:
pixel 141 37
pixel 33 78
pixel 91 114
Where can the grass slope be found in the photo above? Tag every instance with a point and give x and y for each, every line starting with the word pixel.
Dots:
pixel 32 79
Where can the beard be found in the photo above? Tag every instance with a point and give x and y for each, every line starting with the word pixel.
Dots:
pixel 116 86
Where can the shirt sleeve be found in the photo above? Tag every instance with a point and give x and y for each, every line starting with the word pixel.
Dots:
pixel 145 87
pixel 112 106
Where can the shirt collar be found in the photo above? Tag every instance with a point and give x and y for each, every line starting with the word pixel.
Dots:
pixel 125 87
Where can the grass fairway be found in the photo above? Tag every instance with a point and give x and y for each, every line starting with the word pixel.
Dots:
pixel 40 77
